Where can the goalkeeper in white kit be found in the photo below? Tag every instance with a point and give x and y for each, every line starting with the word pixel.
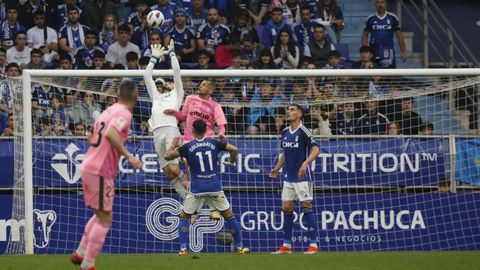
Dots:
pixel 166 95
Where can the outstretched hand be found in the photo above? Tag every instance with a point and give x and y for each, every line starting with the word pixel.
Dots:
pixel 157 50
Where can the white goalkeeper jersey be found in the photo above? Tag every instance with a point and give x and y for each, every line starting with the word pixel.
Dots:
pixel 161 102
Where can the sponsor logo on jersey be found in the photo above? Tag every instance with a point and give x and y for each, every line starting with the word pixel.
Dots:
pixel 199 114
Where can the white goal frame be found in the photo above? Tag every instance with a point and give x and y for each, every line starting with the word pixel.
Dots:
pixel 27 105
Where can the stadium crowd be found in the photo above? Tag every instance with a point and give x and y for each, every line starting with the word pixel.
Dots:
pixel 208 34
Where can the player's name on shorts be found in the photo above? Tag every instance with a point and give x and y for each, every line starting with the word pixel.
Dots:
pixel 207 176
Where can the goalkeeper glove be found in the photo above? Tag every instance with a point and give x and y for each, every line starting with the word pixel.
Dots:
pixel 157 50
pixel 171 48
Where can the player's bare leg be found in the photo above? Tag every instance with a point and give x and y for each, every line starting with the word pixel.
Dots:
pixel 177 179
pixel 234 228
pixel 78 255
pixel 287 209
pixel 96 238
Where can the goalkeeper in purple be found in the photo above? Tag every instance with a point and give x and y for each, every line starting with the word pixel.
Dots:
pixel 202 155
pixel 299 150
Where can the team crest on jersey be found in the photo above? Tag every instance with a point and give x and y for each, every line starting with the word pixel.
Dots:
pixel 296 138
pixel 121 121
pixel 388 21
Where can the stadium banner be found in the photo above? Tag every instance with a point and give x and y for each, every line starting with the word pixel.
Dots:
pixel 346 222
pixel 398 162
pixel 467 161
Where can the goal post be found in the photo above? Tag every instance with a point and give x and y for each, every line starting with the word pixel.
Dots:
pixel 352 160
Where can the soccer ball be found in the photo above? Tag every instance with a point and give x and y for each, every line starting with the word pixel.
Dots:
pixel 155 19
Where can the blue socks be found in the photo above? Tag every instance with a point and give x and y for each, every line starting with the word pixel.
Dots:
pixel 309 217
pixel 183 226
pixel 287 228
pixel 237 232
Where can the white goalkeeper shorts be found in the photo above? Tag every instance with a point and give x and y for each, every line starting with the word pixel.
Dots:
pixel 303 191
pixel 162 138
pixel 193 203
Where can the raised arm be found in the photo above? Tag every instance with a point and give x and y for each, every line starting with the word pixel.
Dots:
pixel 157 52
pixel 177 78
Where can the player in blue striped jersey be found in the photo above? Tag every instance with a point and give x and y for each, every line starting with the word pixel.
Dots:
pixel 202 155
pixel 299 150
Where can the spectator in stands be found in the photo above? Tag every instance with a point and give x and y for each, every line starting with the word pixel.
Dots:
pixel 299 94
pixel 426 129
pixel 8 130
pixel 224 53
pixel 155 38
pixel 312 83
pixel 378 86
pixel 69 95
pixel 265 60
pixel 227 9
pixel 141 34
pixel 3 10
pixel 212 33
pixel 366 59
pixel 36 60
pixel 98 59
pixel 371 122
pixel 183 35
pixel 109 33
pixel 291 12
pixel 250 50
pixel 273 27
pixel 42 35
pixel 394 128
pixel 10 88
pixel 20 53
pixel 409 120
pixel 10 27
pixel 61 11
pixel 260 117
pixel 343 122
pixel 381 28
pixel 333 60
pixel 238 62
pixel 28 10
pixel 286 54
pixel 117 52
pixel 234 112
pixel 318 121
pixel 72 35
pixel 84 56
pixel 80 129
pixel 243 27
pixel 319 49
pixel 3 61
pixel 46 128
pixel 41 96
pixel 167 7
pixel 96 10
pixel 303 29
pixel 135 18
pixel 256 9
pixel 198 14
pixel 58 117
pixel 329 93
pixel 87 110
pixel 330 14
pixel 132 60
pixel 203 60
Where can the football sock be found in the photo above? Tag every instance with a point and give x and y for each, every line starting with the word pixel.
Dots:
pixel 96 238
pixel 81 250
pixel 287 228
pixel 311 225
pixel 183 226
pixel 232 224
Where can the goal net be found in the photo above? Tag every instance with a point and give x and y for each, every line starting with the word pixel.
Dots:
pixel 399 167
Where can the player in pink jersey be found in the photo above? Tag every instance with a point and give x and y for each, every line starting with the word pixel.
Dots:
pixel 202 107
pixel 98 169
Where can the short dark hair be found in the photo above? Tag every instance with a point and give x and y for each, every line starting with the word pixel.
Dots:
pixel 144 60
pixel 20 32
pixel 71 7
pixel 305 7
pixel 65 56
pixel 124 28
pixel 36 51
pixel 131 56
pixel 426 126
pixel 91 33
pixel 334 53
pixel 277 9
pixel 39 12
pixel 318 25
pixel 411 99
pixel 366 49
pixel 199 127
pixel 2 49
pixel 12 64
pixel 127 90
pixel 300 108
pixel 98 54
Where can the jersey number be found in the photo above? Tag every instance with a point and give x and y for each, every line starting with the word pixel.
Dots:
pixel 200 159
pixel 99 133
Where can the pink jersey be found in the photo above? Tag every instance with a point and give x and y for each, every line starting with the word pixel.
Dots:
pixel 197 108
pixel 101 158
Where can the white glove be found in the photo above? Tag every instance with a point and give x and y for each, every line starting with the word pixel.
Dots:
pixel 171 48
pixel 157 50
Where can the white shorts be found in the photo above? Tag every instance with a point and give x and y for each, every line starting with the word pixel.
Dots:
pixel 303 191
pixel 193 203
pixel 162 138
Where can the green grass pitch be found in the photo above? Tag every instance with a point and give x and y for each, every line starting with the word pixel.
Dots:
pixel 201 261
